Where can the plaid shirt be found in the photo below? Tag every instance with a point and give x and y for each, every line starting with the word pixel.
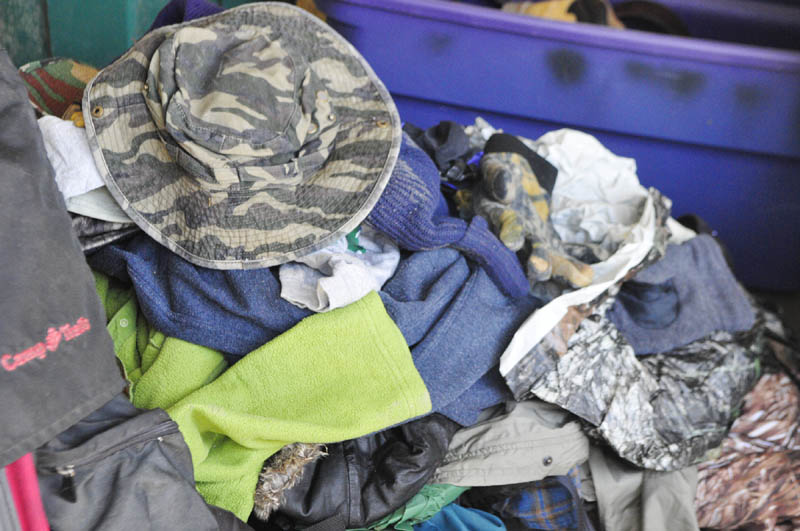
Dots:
pixel 545 504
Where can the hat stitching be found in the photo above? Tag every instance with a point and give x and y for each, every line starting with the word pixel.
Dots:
pixel 283 131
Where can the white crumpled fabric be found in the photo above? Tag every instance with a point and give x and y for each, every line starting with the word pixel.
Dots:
pixel 68 151
pixel 98 204
pixel 335 276
pixel 597 196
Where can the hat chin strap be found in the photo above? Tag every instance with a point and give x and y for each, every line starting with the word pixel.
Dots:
pixel 219 178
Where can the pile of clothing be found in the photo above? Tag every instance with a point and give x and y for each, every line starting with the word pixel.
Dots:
pixel 241 294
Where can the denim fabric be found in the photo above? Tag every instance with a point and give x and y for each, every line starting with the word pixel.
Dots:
pixel 231 311
pixel 457 323
pixel 650 305
pixel 489 391
pixel 709 299
pixel 456 518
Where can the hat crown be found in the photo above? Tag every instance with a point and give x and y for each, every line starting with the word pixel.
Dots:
pixel 245 139
pixel 232 104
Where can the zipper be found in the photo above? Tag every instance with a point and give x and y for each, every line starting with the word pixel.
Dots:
pixel 67 489
pixel 67 472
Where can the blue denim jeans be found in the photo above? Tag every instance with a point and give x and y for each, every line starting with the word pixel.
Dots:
pixel 458 323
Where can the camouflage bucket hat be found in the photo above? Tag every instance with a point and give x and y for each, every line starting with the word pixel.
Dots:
pixel 245 139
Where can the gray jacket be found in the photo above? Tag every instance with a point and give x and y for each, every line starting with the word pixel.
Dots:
pixel 522 442
pixel 57 362
pixel 122 468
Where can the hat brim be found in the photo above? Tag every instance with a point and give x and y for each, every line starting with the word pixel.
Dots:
pixel 273 224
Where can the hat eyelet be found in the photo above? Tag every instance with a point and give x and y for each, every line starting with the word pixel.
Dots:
pixel 97 111
pixel 146 87
pixel 313 128
pixel 331 117
pixel 382 123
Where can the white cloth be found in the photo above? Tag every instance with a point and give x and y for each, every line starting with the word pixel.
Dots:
pixel 678 233
pixel 597 199
pixel 68 151
pixel 98 204
pixel 597 196
pixel 335 276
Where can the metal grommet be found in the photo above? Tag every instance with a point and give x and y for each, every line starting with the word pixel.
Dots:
pixel 123 323
pixel 313 128
pixel 547 461
pixel 381 123
pixel 331 117
pixel 97 111
pixel 146 87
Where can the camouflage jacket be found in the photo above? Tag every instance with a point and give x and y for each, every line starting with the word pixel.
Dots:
pixel 662 412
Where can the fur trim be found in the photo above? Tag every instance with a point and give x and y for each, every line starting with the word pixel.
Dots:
pixel 280 473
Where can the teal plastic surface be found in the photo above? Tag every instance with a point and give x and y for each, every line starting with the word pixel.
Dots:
pixel 23 30
pixel 98 31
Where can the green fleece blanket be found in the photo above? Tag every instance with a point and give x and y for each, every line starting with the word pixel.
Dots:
pixel 334 376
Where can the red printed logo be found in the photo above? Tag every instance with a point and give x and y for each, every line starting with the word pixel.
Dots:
pixel 50 344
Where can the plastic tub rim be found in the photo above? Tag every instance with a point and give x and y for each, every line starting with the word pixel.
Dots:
pixel 694 49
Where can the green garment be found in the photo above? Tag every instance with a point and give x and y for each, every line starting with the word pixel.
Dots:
pixel 423 506
pixel 334 376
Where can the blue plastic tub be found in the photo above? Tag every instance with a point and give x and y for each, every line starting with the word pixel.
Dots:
pixel 714 125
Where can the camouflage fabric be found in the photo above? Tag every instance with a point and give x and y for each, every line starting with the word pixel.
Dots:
pixel 244 139
pixel 661 412
pixel 517 207
pixel 541 358
pixel 94 233
pixel 755 480
pixel 55 86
